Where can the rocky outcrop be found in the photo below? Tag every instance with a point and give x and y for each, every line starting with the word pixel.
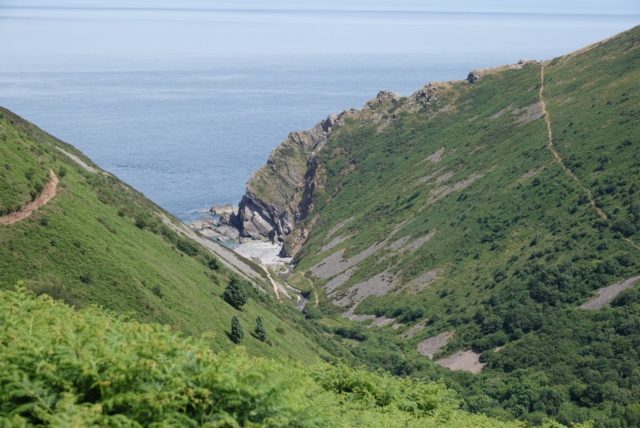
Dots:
pixel 280 194
pixel 473 76
pixel 383 98
pixel 476 75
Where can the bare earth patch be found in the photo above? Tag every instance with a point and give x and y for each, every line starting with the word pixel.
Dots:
pixel 444 177
pixel 382 321
pixel 421 282
pixel 532 172
pixel 529 114
pixel 338 226
pixel 501 112
pixel 336 263
pixel 430 347
pixel 396 245
pixel 334 243
pixel 432 176
pixel 413 330
pixel 436 156
pixel 375 321
pixel 462 360
pixel 418 242
pixel 338 280
pixel 443 191
pixel 606 295
pixel 377 285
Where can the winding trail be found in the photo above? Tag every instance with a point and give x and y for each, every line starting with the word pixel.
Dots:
pixel 558 157
pixel 278 289
pixel 48 193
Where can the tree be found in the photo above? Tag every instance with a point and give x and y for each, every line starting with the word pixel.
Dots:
pixel 260 332
pixel 235 294
pixel 236 334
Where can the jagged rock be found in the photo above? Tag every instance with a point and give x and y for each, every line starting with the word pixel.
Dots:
pixel 425 95
pixel 280 194
pixel 383 97
pixel 524 62
pixel 473 76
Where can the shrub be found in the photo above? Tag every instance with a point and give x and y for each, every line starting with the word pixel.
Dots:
pixel 212 263
pixel 157 291
pixel 624 227
pixel 235 294
pixel 311 313
pixel 187 247
pixel 627 297
pixel 86 278
pixel 350 333
pixel 141 221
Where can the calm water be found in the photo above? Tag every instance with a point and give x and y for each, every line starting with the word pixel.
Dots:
pixel 186 100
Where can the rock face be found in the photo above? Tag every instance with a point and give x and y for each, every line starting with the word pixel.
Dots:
pixel 280 194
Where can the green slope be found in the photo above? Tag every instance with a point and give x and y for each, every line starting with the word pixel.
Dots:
pixel 61 367
pixel 100 242
pixel 515 245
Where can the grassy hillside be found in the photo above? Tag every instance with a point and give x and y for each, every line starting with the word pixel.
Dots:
pixel 62 367
pixel 449 212
pixel 100 242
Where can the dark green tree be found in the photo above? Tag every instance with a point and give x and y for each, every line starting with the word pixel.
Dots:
pixel 235 294
pixel 260 332
pixel 236 334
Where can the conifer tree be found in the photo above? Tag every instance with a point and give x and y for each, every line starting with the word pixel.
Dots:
pixel 260 332
pixel 236 330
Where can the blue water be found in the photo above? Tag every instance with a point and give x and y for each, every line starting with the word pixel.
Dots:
pixel 186 100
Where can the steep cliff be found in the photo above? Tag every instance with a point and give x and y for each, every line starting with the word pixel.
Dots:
pixel 280 196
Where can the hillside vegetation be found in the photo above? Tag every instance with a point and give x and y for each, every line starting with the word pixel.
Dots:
pixel 100 242
pixel 62 367
pixel 485 211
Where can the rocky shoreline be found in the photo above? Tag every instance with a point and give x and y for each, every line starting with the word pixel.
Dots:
pixel 218 228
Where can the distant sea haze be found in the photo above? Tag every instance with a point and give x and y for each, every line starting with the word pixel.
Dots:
pixel 185 101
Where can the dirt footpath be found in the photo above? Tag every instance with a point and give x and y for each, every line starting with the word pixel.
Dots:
pixel 48 193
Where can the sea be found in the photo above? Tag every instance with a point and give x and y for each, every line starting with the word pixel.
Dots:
pixel 184 100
